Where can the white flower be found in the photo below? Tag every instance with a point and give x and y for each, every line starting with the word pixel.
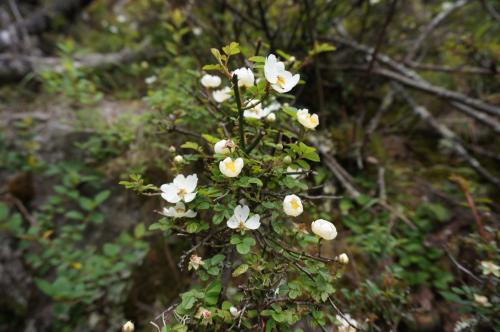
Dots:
pixel 281 80
pixel 225 146
pixel 274 106
pixel 234 311
pixel 128 327
pixel 210 81
pixel 343 258
pixel 178 159
pixel 181 189
pixel 374 2
pixel 345 323
pixel 231 168
pixel 271 117
pixel 222 95
pixel 150 80
pixel 197 31
pixel 309 121
pixel 245 77
pixel 482 300
pixel 113 29
pixel 324 229
pixel 195 262
pixel 171 148
pixel 179 211
pixel 290 169
pixel 490 268
pixel 121 18
pixel 240 219
pixel 255 111
pixel 292 205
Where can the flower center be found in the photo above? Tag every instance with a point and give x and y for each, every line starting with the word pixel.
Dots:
pixel 295 205
pixel 179 210
pixel 311 119
pixel 231 166
pixel 181 193
pixel 280 81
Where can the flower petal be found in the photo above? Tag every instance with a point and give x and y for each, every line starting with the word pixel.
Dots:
pixel 233 222
pixel 191 182
pixel 170 193
pixel 253 222
pixel 189 197
pixel 242 212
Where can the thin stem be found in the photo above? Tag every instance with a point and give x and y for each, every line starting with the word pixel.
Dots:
pixel 240 111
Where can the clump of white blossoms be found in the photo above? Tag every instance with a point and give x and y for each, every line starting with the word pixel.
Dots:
pixel 210 81
pixel 225 146
pixel 245 77
pixel 280 79
pixel 181 189
pixel 324 229
pixel 292 205
pixel 178 211
pixel 309 121
pixel 222 95
pixel 231 168
pixel 240 219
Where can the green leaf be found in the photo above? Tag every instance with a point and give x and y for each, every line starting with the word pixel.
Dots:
pixel 240 270
pixel 212 67
pixel 110 249
pixel 192 146
pixel 257 59
pixel 212 293
pixel 232 49
pixel 101 197
pixel 86 203
pixel 74 215
pixel 210 138
pixel 139 230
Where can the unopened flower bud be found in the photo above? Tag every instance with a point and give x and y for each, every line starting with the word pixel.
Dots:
pixel 279 146
pixel 171 148
pixel 287 159
pixel 343 258
pixel 234 311
pixel 271 117
pixel 128 327
pixel 178 159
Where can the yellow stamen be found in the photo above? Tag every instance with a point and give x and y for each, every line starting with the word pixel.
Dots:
pixel 295 205
pixel 181 193
pixel 311 119
pixel 231 166
pixel 280 81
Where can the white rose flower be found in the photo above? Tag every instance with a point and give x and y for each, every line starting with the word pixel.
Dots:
pixel 240 219
pixel 234 311
pixel 225 146
pixel 281 80
pixel 292 205
pixel 179 211
pixel 344 324
pixel 310 121
pixel 245 77
pixel 255 111
pixel 210 81
pixel 195 262
pixel 324 229
pixel 128 327
pixel 271 117
pixel 482 300
pixel 231 168
pixel 343 258
pixel 150 80
pixel 490 268
pixel 222 95
pixel 181 189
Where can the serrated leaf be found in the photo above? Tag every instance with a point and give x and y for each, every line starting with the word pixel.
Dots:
pixel 240 270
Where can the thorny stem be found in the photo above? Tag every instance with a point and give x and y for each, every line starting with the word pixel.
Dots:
pixel 240 111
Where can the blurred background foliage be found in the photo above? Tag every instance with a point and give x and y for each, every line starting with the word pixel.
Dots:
pixel 88 97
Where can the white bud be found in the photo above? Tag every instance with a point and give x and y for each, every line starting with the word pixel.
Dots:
pixel 324 229
pixel 271 117
pixel 234 311
pixel 178 159
pixel 171 148
pixel 128 327
pixel 287 159
pixel 343 258
pixel 279 146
